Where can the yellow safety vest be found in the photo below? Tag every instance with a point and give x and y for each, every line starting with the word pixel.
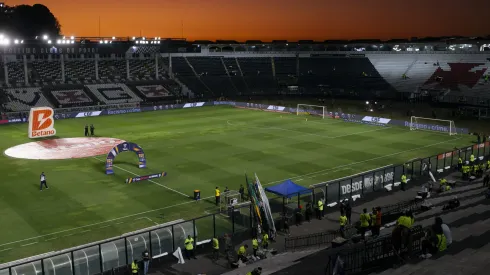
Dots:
pixel 365 218
pixel 134 268
pixel 265 239
pixel 215 243
pixel 441 242
pixel 216 192
pixel 189 244
pixel 255 243
pixel 472 158
pixel 488 162
pixel 320 205
pixel 405 221
pixel 404 179
pixel 241 251
pixel 448 187
pixel 443 181
pixel 460 161
pixel 343 220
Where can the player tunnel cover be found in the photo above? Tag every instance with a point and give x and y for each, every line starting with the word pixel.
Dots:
pixel 124 147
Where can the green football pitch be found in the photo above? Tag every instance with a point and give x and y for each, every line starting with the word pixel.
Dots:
pixel 199 148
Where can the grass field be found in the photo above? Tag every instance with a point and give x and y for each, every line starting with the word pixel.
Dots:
pixel 199 148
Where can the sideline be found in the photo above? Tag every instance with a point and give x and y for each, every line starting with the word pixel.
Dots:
pixel 189 202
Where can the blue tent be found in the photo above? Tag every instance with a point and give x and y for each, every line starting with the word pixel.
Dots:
pixel 288 189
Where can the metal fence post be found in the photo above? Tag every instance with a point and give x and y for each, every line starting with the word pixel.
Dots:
pixel 362 184
pixel 326 192
pixel 194 230
pixel 151 246
pixel 10 270
pixel 101 264
pixel 233 220
pixel 350 188
pixel 126 249
pixel 42 267
pixel 173 238
pixel 338 198
pixel 72 263
pixel 214 225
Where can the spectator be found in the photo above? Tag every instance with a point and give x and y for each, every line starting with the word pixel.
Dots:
pixel 434 242
pixel 308 211
pixel 146 261
pixel 445 230
pixel 453 203
pixel 348 212
pixel 299 216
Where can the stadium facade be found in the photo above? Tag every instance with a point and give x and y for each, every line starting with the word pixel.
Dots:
pixel 69 72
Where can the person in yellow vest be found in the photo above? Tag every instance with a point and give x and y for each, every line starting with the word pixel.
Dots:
pixel 242 253
pixel 466 171
pixel 255 245
pixel 320 209
pixel 365 219
pixel 434 242
pixel 447 188
pixel 134 267
pixel 472 159
pixel 256 271
pixel 343 223
pixel 460 163
pixel 189 247
pixel 265 241
pixel 488 164
pixel 217 195
pixel 215 242
pixel 404 182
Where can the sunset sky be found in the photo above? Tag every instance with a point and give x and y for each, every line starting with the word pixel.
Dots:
pixel 270 19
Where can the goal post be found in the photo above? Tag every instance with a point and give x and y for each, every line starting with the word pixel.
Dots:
pixel 312 110
pixel 433 125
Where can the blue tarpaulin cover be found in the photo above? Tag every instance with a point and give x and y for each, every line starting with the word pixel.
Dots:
pixel 288 189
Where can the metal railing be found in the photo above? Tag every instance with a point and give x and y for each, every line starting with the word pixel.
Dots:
pixel 110 254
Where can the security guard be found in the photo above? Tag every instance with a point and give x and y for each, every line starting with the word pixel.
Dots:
pixel 448 188
pixel 320 209
pixel 442 181
pixel 242 253
pixel 255 245
pixel 441 242
pixel 265 240
pixel 365 218
pixel 475 169
pixel 465 172
pixel 134 267
pixel 404 181
pixel 215 242
pixel 217 195
pixel 189 247
pixel 343 223
pixel 460 163
pixel 488 164
pixel 472 159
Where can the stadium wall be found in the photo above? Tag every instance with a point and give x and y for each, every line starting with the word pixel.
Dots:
pixel 355 118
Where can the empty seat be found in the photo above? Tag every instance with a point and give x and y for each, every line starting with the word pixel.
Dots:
pixel 22 99
pixel 113 93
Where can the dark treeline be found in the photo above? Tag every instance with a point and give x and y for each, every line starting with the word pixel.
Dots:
pixel 27 22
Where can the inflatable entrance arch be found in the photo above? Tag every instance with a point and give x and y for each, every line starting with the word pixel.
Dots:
pixel 124 147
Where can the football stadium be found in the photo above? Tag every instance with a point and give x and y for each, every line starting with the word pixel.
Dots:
pixel 115 147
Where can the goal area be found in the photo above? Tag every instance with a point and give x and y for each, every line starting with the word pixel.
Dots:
pixel 432 125
pixel 311 110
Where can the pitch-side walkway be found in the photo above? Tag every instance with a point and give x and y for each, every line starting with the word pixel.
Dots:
pixel 204 264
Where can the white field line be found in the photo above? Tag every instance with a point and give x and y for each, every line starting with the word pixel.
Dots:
pixel 27 244
pixel 50 239
pixel 6 249
pixel 146 218
pixel 189 202
pixel 166 187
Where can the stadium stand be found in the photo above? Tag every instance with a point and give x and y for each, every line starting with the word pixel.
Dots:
pixel 142 69
pixel 69 98
pixel 46 70
pixel 22 99
pixel 79 70
pixel 114 69
pixel 113 93
pixel 15 72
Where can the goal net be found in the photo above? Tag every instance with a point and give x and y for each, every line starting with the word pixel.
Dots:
pixel 433 125
pixel 311 110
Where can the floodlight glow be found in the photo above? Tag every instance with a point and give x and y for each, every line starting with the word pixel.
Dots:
pixel 49 41
pixel 367 102
pixel 45 37
pixel 16 41
pixel 113 38
pixel 58 41
pixel 134 38
pixel 72 37
pixel 21 41
pixel 144 38
pixel 105 41
pixel 2 36
pixel 73 41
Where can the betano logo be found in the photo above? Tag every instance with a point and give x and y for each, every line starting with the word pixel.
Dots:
pixel 41 122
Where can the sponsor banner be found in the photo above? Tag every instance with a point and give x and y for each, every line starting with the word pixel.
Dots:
pixel 89 114
pixel 41 122
pixel 65 115
pixel 4 121
pixel 231 103
pixel 121 111
pixel 276 108
pixel 147 177
pixel 367 183
pixel 17 120
pixel 375 120
pixel 193 105
pixel 124 147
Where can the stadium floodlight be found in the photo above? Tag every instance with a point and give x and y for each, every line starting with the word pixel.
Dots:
pixel 72 37
pixel 21 41
pixel 49 41
pixel 314 110
pixel 134 38
pixel 73 41
pixel 16 41
pixel 105 41
pixel 58 41
pixel 113 38
pixel 101 41
pixel 433 125
pixel 45 37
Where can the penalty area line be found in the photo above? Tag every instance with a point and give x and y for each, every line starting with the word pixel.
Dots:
pixel 152 181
